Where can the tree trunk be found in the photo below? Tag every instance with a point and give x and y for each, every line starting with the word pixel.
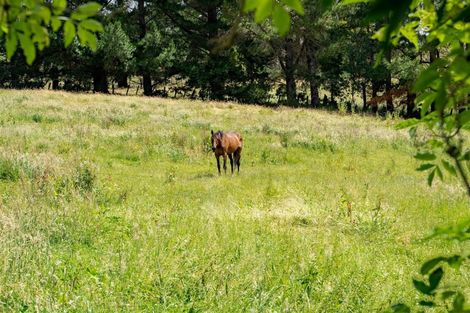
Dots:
pixel 353 100
pixel 364 97
pixel 388 84
pixel 147 84
pixel 333 104
pixel 375 90
pixel 289 72
pixel 216 83
pixel 55 84
pixel 122 81
pixel 147 81
pixel 312 67
pixel 410 105
pixel 433 55
pixel 100 80
pixel 212 27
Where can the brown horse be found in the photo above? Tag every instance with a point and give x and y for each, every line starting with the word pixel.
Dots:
pixel 227 144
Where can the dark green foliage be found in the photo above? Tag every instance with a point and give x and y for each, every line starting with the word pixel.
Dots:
pixel 25 25
pixel 210 50
pixel 37 118
pixel 400 308
pixel 116 51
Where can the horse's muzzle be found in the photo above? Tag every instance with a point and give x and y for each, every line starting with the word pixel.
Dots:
pixel 213 149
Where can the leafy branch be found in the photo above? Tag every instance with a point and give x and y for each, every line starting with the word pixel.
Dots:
pixel 26 25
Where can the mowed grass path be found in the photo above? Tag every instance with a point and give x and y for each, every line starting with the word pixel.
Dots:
pixel 112 203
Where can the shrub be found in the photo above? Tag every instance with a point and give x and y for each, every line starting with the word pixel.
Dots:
pixel 9 169
pixel 84 177
pixel 37 118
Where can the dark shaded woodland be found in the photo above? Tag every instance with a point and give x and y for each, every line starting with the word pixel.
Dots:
pixel 206 49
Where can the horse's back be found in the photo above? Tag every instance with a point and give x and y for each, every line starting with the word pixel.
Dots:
pixel 238 137
pixel 235 141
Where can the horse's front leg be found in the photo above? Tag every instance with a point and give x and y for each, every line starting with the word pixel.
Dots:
pixel 225 163
pixel 230 156
pixel 218 163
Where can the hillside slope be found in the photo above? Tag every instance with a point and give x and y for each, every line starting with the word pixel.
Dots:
pixel 112 203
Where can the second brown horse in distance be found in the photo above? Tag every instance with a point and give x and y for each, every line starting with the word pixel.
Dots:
pixel 227 144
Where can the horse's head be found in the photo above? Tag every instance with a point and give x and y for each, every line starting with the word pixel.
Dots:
pixel 216 139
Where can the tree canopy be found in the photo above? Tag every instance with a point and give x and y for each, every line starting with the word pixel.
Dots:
pixel 313 54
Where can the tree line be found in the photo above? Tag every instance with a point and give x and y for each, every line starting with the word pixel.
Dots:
pixel 208 49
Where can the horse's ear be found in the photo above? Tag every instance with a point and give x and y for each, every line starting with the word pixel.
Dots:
pixel 212 132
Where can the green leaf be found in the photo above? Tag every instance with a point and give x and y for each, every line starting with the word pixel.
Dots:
pixel 439 173
pixel 4 27
pixel 395 11
pixel 449 167
pixel 295 5
pixel 460 232
pixel 426 156
pixel 425 166
pixel 421 287
pixel 447 294
pixel 263 11
pixel 11 43
pixel 281 19
pixel 409 33
pixel 89 8
pixel 250 5
pixel 430 264
pixel 464 117
pixel 55 23
pixel 87 38
pixel 69 32
pixel 425 79
pixel 463 15
pixel 459 302
pixel 59 6
pixel 435 278
pixel 435 143
pixel 85 11
pixel 426 303
pixel 408 123
pixel 441 97
pixel 28 48
pixel 455 261
pixel 400 308
pixel 44 13
pixel 460 67
pixel 426 100
pixel 466 156
pixel 431 177
pixel 91 25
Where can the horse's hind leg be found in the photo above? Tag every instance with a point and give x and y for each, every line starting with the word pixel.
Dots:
pixel 231 161
pixel 237 159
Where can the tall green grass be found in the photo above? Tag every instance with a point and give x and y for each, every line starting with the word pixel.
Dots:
pixel 114 204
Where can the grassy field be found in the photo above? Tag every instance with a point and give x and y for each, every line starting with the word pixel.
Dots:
pixel 112 203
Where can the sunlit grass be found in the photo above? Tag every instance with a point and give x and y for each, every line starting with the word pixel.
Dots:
pixel 112 203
